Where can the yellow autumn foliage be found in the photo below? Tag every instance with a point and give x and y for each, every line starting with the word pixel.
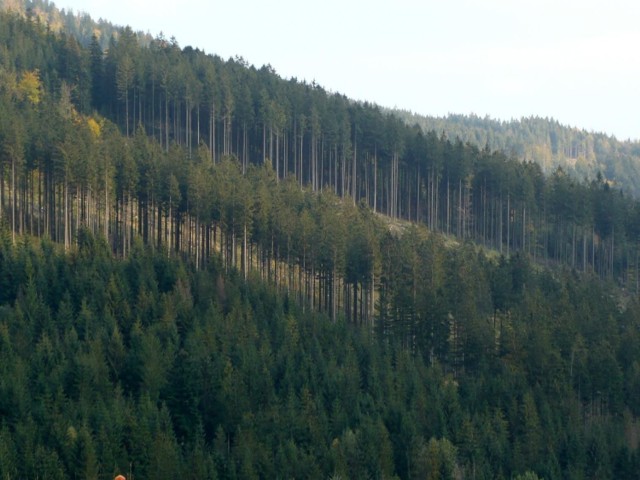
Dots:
pixel 94 127
pixel 30 87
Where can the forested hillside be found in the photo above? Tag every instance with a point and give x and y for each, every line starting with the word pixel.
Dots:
pixel 212 272
pixel 123 137
pixel 546 142
pixel 145 366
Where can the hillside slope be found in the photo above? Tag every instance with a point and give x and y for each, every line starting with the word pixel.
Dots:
pixel 195 281
pixel 546 142
pixel 174 114
pixel 149 367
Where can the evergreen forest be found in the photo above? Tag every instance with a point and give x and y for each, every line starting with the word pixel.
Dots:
pixel 208 271
pixel 545 141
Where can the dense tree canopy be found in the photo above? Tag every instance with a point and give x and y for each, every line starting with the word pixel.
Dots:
pixel 149 366
pixel 582 154
pixel 123 124
pixel 207 270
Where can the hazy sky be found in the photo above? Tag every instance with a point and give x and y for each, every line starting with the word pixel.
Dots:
pixel 577 61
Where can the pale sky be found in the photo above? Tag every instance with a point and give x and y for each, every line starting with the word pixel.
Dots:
pixel 577 61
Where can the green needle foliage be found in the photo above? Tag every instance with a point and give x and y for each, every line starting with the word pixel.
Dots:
pixel 207 271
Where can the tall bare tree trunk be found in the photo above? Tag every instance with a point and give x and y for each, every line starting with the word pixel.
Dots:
pixel 375 182
pixel 13 199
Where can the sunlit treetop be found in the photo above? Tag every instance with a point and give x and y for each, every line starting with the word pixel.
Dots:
pixel 30 87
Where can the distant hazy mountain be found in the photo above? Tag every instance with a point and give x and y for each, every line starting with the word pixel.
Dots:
pixel 547 142
pixel 78 24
